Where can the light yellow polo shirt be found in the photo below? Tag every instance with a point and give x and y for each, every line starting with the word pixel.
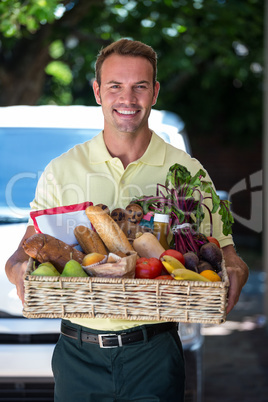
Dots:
pixel 88 172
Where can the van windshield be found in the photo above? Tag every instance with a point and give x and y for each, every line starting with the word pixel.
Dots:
pixel 24 154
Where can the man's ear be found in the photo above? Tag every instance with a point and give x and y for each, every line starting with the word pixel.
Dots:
pixel 156 92
pixel 96 90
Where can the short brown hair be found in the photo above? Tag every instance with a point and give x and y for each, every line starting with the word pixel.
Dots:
pixel 126 47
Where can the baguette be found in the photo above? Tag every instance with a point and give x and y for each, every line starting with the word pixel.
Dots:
pixel 44 248
pixel 89 240
pixel 108 230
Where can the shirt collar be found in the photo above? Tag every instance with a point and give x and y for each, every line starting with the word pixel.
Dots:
pixel 103 154
pixel 154 154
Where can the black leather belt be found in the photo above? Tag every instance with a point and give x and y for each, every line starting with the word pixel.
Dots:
pixel 115 340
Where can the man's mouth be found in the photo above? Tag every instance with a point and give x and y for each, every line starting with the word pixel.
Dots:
pixel 126 112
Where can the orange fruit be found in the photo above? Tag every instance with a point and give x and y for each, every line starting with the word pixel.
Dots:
pixel 212 275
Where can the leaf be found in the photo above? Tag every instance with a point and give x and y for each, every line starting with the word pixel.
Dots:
pixel 215 200
pixel 199 213
pixel 177 176
pixel 227 217
pixel 196 179
pixel 180 215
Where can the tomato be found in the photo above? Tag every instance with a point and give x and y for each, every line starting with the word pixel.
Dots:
pixel 164 277
pixel 213 240
pixel 140 260
pixel 149 268
pixel 174 253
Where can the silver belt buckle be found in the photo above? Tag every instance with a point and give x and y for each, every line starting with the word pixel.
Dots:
pixel 100 337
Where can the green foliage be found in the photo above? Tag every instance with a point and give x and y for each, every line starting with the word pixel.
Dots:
pixel 18 17
pixel 56 49
pixel 210 54
pixel 60 71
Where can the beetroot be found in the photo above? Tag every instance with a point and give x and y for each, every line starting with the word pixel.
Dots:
pixel 191 261
pixel 212 254
pixel 203 266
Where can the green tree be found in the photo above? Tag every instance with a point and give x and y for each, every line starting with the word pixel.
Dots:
pixel 210 55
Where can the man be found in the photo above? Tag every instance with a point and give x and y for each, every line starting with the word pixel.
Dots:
pixel 124 161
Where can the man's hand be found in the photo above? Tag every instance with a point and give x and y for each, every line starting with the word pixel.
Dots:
pixel 20 269
pixel 17 264
pixel 238 272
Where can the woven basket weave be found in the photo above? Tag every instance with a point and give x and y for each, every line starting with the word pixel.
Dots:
pixel 131 299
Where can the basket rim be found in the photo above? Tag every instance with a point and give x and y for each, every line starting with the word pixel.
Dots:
pixel 173 283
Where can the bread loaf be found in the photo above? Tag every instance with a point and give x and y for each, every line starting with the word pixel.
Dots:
pixel 44 248
pixel 112 236
pixel 89 240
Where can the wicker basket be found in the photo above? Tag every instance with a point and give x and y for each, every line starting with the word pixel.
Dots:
pixel 131 299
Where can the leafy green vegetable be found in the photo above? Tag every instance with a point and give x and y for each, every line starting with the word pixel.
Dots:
pixel 184 197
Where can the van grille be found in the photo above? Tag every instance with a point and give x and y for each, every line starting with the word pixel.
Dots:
pixel 12 339
pixel 27 392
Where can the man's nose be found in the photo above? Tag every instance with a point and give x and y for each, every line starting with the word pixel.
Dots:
pixel 128 96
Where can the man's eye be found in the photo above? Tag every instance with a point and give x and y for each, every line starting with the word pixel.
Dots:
pixel 115 86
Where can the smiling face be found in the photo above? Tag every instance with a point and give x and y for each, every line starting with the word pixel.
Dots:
pixel 126 93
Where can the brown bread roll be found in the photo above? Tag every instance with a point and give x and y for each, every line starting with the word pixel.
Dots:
pixel 44 248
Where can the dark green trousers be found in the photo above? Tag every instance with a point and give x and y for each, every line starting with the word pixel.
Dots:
pixel 149 370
